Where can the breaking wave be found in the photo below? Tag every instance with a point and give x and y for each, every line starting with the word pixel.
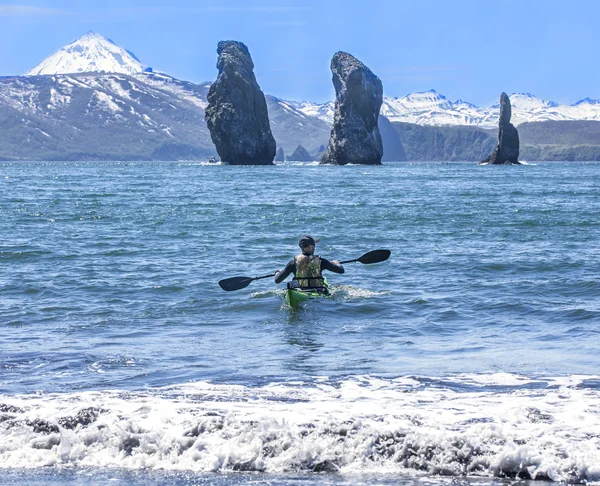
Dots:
pixel 500 426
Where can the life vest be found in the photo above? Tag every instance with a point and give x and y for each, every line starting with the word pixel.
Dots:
pixel 308 271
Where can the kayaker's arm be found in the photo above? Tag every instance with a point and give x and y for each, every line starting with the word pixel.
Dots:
pixel 290 268
pixel 334 266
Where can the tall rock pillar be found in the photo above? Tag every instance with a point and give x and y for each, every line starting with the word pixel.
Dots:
pixel 236 114
pixel 507 148
pixel 355 137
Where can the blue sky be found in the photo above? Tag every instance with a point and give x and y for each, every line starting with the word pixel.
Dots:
pixel 469 49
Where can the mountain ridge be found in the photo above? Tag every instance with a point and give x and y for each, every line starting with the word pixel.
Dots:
pixel 93 52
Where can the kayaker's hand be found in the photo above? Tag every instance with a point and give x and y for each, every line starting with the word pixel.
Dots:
pixel 335 262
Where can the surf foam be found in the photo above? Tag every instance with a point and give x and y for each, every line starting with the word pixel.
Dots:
pixel 469 425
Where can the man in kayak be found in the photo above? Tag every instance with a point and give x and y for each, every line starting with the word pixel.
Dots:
pixel 308 267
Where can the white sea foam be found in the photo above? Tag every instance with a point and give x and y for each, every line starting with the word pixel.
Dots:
pixel 313 163
pixel 547 430
pixel 348 292
pixel 190 164
pixel 506 379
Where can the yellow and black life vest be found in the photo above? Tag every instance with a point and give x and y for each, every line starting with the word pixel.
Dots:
pixel 308 271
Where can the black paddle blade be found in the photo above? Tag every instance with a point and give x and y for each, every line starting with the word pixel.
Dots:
pixel 375 256
pixel 235 283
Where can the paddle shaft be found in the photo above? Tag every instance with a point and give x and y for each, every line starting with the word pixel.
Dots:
pixel 264 276
pixel 237 283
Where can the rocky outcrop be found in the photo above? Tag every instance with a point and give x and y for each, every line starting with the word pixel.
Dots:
pixel 320 152
pixel 507 148
pixel 236 114
pixel 301 155
pixel 355 137
pixel 280 156
pixel 393 150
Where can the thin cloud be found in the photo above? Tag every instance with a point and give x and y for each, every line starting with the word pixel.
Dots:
pixel 28 11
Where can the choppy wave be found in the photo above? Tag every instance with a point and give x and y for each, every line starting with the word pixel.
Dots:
pixel 348 292
pixel 498 426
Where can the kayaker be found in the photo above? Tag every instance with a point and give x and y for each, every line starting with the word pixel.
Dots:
pixel 308 267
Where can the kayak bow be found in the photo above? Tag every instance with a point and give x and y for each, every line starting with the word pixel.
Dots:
pixel 294 296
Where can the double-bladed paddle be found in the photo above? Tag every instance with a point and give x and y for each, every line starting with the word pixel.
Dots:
pixel 375 256
pixel 238 283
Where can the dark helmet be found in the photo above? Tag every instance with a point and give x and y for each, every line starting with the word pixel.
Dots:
pixel 307 240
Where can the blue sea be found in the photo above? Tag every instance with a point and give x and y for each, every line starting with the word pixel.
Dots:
pixel 471 356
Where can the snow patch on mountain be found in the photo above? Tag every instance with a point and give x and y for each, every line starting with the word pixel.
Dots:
pixel 19 96
pixel 120 97
pixel 105 102
pixel 323 111
pixel 90 53
pixel 418 103
pixel 181 89
pixel 59 98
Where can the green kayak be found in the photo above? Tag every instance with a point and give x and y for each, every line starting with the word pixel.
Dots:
pixel 294 296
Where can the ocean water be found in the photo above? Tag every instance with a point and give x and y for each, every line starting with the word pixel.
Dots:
pixel 472 356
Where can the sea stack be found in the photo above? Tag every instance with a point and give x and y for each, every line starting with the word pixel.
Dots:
pixel 236 114
pixel 301 155
pixel 507 148
pixel 355 137
pixel 280 156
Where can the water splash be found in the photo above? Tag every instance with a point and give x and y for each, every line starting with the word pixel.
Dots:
pixel 350 293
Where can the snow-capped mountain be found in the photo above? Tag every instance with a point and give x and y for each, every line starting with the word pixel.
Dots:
pixel 91 116
pixel 588 101
pixel 94 53
pixel 418 103
pixel 323 112
pixel 112 116
pixel 90 53
pixel 527 102
pixel 434 109
pixel 528 108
